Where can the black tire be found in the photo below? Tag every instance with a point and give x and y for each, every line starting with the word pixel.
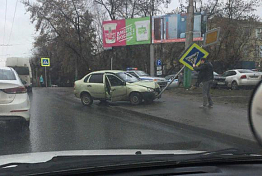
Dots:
pixel 135 98
pixel 234 85
pixel 23 126
pixel 86 99
pixel 26 125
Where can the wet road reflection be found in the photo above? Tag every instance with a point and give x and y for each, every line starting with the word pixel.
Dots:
pixel 60 122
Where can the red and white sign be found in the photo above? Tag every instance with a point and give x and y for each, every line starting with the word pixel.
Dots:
pixel 114 33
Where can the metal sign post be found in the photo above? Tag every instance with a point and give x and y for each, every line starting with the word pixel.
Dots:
pixel 45 62
pixel 111 63
pixel 170 82
pixel 45 78
pixel 188 58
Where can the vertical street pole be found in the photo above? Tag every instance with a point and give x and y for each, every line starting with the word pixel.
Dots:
pixel 45 78
pixel 152 60
pixel 152 52
pixel 189 40
pixel 111 63
pixel 36 78
pixel 76 69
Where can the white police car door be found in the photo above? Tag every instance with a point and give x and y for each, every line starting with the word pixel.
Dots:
pixel 117 88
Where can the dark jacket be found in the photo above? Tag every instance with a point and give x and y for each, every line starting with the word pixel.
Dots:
pixel 205 72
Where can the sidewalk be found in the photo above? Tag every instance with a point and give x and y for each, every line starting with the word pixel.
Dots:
pixel 181 109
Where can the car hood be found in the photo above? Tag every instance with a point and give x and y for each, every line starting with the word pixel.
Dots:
pixel 46 156
pixel 152 78
pixel 148 84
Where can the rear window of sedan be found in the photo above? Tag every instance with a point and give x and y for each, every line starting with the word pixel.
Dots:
pixel 7 74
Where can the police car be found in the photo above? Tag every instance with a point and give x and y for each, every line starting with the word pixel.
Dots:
pixel 162 82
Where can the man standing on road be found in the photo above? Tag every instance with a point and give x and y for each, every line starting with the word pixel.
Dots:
pixel 206 77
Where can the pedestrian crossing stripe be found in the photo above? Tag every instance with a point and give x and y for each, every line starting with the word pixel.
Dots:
pixel 45 62
pixel 193 55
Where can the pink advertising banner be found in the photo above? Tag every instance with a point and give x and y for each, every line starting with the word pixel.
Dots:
pixel 114 33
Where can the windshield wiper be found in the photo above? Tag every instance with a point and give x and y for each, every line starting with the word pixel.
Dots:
pixel 229 151
pixel 95 163
pixel 231 154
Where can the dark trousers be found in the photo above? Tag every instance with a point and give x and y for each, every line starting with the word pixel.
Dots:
pixel 206 93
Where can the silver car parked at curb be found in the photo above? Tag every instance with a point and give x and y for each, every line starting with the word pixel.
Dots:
pixel 241 78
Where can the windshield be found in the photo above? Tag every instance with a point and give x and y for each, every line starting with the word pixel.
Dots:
pixel 127 77
pixel 7 74
pixel 22 70
pixel 142 73
pixel 93 74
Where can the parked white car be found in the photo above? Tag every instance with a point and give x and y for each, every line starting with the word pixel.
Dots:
pixel 14 100
pixel 174 84
pixel 241 77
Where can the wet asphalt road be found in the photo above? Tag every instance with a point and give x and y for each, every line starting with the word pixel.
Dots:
pixel 60 122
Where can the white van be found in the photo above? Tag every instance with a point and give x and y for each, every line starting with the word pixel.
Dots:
pixel 23 69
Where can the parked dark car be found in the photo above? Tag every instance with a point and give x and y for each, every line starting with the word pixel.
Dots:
pixel 219 81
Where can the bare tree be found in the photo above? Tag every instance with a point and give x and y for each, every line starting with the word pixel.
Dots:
pixel 65 25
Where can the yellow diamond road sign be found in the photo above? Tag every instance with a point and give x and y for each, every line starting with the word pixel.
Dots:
pixel 45 62
pixel 193 55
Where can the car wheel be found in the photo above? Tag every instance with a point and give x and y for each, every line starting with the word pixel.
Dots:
pixel 26 125
pixel 234 85
pixel 135 98
pixel 86 99
pixel 23 126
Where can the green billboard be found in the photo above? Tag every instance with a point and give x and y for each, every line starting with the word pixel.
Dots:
pixel 138 31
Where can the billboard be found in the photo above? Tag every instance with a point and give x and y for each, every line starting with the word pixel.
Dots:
pixel 114 33
pixel 172 28
pixel 126 32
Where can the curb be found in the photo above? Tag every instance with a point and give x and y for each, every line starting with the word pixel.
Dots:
pixel 249 145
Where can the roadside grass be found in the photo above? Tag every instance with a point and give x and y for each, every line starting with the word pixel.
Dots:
pixel 238 98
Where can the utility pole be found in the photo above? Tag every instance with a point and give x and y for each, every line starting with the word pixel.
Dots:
pixel 76 61
pixel 189 40
pixel 45 78
pixel 152 51
pixel 111 63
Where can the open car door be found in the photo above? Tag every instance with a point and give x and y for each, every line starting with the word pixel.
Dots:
pixel 115 87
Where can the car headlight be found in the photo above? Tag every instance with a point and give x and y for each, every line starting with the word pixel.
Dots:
pixel 150 90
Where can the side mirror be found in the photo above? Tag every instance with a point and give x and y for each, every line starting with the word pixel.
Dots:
pixel 255 113
pixel 123 84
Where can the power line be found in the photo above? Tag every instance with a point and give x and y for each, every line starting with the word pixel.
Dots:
pixel 5 21
pixel 12 22
pixel 4 26
pixel 11 27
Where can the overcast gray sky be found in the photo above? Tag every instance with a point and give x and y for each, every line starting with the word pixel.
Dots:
pixel 21 37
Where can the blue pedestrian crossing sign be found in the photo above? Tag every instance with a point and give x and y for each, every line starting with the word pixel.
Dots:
pixel 45 62
pixel 193 55
pixel 158 62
